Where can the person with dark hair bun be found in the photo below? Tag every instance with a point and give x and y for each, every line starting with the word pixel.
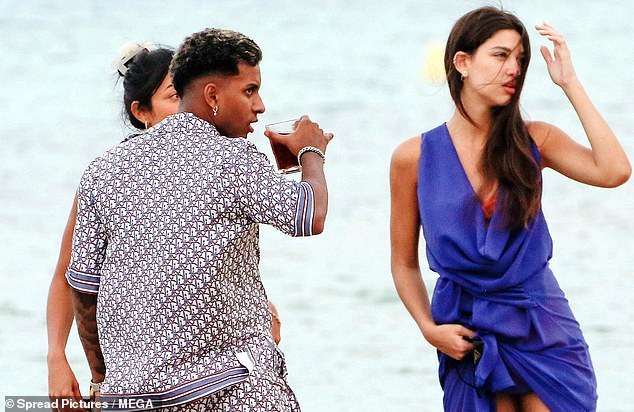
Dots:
pixel 148 98
pixel 506 337
pixel 166 243
pixel 148 94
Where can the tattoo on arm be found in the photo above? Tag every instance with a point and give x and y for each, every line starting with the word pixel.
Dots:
pixel 86 315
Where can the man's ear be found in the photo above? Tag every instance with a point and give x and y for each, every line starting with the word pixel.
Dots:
pixel 461 62
pixel 210 94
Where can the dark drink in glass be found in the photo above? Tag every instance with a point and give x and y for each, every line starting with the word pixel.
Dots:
pixel 286 161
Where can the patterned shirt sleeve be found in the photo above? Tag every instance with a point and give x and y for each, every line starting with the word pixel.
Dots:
pixel 268 197
pixel 89 241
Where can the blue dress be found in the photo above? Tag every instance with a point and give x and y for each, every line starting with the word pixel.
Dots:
pixel 497 282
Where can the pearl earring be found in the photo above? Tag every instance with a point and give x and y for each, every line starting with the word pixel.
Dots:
pixel 215 110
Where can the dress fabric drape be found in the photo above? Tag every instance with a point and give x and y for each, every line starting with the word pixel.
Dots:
pixel 497 282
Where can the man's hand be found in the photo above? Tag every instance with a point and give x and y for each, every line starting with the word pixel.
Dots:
pixel 307 133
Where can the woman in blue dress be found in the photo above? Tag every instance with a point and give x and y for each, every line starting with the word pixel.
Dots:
pixel 505 335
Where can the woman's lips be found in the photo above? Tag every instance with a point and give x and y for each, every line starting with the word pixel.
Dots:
pixel 509 87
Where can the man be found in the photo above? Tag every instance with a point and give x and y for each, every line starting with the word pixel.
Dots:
pixel 166 243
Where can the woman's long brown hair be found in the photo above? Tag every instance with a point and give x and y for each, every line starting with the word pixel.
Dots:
pixel 507 154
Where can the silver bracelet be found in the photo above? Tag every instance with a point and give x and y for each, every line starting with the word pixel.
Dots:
pixel 95 390
pixel 310 149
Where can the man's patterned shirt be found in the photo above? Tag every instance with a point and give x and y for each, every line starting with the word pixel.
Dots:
pixel 167 236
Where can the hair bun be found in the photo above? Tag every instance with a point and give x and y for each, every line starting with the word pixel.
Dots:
pixel 127 52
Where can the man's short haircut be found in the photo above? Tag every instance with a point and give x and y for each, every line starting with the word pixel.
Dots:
pixel 212 52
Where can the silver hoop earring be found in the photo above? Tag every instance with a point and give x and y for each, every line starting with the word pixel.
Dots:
pixel 215 110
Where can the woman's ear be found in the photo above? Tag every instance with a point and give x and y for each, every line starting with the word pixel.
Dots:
pixel 461 62
pixel 142 115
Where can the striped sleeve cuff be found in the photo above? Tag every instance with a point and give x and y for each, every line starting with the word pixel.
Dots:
pixel 305 210
pixel 83 282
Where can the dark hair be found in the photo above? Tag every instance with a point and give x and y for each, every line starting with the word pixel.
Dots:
pixel 211 52
pixel 145 73
pixel 508 154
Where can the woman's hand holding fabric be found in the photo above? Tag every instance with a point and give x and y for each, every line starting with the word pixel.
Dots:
pixel 449 339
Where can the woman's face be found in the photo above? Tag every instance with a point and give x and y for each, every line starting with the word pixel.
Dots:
pixel 493 68
pixel 164 102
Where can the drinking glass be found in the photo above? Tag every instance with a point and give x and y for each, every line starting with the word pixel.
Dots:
pixel 286 161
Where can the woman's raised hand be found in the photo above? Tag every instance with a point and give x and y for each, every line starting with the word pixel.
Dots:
pixel 560 67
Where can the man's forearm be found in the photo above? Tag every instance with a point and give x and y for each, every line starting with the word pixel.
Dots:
pixel 313 173
pixel 86 315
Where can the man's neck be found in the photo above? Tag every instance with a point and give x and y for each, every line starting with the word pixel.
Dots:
pixel 195 107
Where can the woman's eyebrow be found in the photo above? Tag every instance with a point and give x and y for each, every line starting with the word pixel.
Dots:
pixel 506 49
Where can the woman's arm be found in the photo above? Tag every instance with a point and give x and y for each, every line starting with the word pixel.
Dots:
pixel 59 319
pixel 404 235
pixel 276 323
pixel 605 164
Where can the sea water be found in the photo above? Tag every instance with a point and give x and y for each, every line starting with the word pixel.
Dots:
pixel 356 67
